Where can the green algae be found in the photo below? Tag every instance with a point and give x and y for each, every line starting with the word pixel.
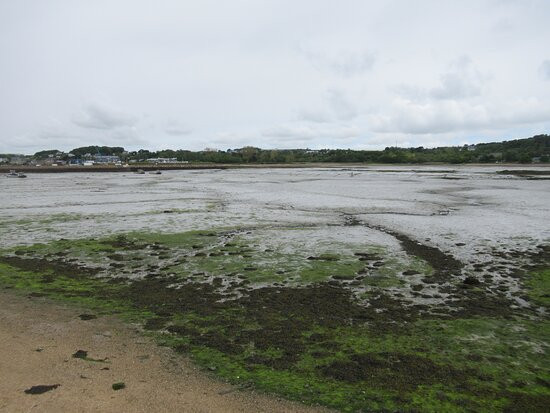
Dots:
pixel 309 340
pixel 538 287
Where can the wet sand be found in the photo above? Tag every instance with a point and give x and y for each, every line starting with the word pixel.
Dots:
pixel 39 337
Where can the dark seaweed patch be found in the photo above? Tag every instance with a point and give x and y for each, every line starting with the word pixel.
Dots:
pixel 444 265
pixel 522 402
pixel 471 281
pixel 116 257
pixel 83 355
pixel 524 172
pixel 41 388
pixel 80 354
pixel 156 323
pixel 118 386
pixel 393 370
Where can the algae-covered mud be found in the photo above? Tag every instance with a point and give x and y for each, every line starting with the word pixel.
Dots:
pixel 360 289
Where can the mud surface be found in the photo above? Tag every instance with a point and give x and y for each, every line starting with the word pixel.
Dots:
pixel 318 285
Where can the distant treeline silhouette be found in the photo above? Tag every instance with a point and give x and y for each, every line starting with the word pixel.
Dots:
pixel 534 149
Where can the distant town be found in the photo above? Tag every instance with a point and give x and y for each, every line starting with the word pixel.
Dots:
pixel 60 158
pixel 529 150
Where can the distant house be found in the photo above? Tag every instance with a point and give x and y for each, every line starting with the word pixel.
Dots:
pixel 19 160
pixel 162 160
pixel 103 159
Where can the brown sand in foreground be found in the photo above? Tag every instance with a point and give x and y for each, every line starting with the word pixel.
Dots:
pixel 38 338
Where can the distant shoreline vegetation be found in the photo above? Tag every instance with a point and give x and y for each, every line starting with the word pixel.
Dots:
pixel 529 150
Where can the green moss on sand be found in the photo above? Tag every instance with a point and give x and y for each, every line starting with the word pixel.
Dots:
pixel 309 339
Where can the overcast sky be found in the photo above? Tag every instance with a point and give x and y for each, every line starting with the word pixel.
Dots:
pixel 192 74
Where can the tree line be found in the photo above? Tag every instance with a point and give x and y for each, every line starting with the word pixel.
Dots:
pixel 534 149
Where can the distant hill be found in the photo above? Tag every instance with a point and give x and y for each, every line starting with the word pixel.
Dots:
pixel 534 149
pixel 517 150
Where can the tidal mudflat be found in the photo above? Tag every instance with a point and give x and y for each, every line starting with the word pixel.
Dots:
pixel 374 289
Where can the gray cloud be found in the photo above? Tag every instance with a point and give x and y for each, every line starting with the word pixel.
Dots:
pixel 126 135
pixel 314 116
pixel 309 132
pixel 97 116
pixel 341 105
pixel 175 128
pixel 233 71
pixel 448 116
pixel 338 107
pixel 342 63
pixel 461 81
pixel 54 138
pixel 455 86
pixel 544 70
pixel 503 25
pixel 228 140
pixel 178 131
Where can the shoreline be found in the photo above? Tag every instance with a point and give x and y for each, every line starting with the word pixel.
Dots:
pixel 38 337
pixel 198 166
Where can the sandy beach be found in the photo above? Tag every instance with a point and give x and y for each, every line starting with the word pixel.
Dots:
pixel 38 339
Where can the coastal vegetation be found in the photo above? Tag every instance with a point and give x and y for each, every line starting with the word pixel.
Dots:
pixel 535 149
pixel 355 327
